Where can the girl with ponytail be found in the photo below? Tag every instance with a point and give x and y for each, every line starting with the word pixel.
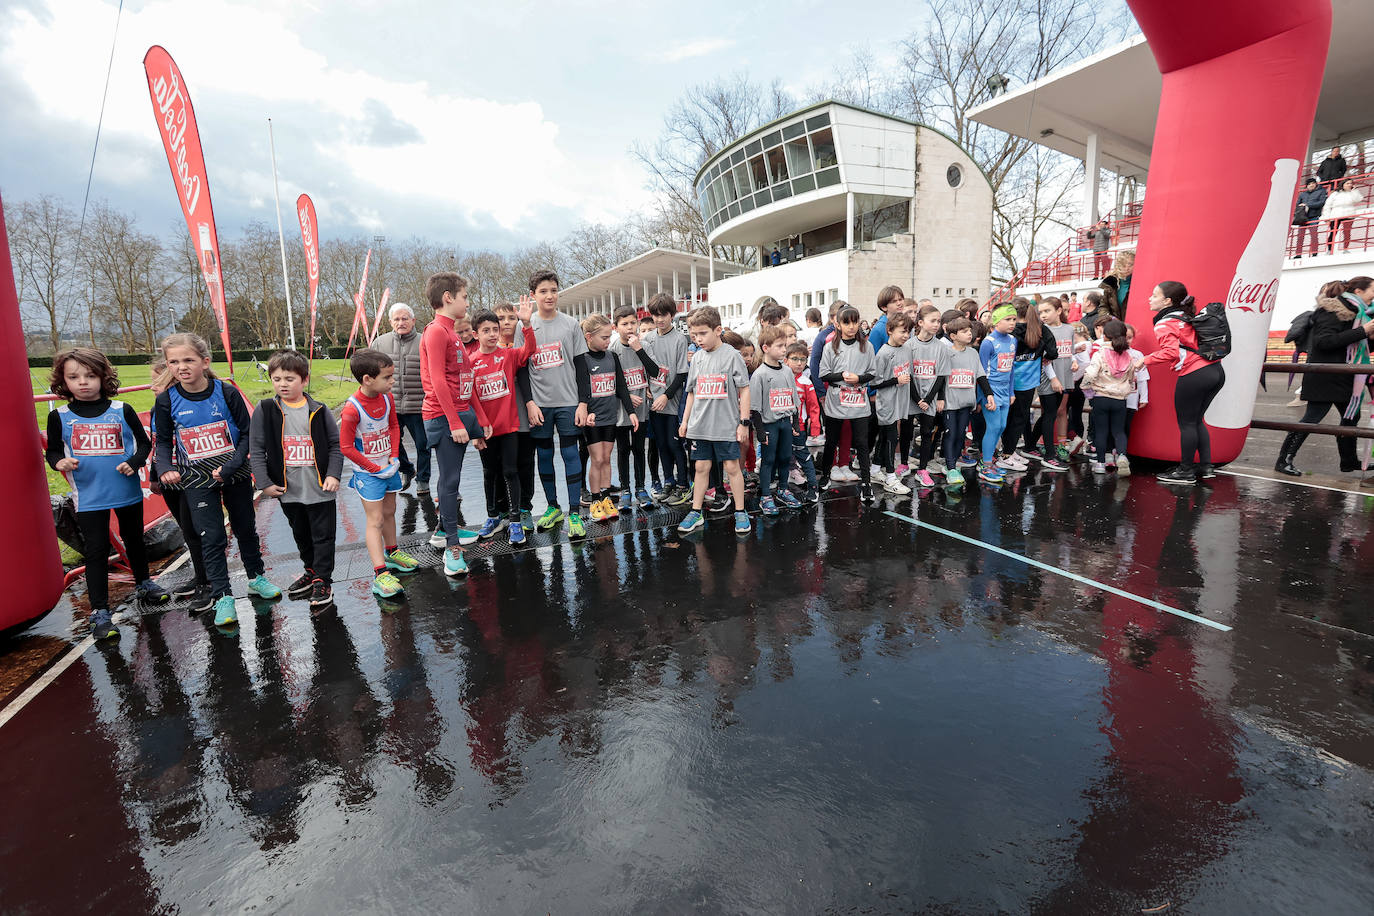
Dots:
pixel 1199 380
pixel 1111 374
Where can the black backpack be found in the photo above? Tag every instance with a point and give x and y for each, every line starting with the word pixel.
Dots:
pixel 1300 330
pixel 1213 332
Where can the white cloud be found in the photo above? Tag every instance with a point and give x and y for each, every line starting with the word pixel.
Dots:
pixel 699 48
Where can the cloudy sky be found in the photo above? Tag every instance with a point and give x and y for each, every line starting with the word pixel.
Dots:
pixel 488 125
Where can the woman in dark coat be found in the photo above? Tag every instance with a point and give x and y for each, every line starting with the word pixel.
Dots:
pixel 1340 333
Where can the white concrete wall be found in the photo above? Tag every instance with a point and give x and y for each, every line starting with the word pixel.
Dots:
pixel 738 298
pixel 952 227
pixel 877 155
pixel 1301 279
pixel 882 263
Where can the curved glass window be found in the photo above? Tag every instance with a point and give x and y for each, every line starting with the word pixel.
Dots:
pixel 823 144
pixel 777 165
pixel 798 157
pixel 741 173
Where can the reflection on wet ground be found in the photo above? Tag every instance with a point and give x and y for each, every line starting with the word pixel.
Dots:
pixel 841 711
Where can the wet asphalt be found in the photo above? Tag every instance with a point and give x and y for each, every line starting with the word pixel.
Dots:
pixel 839 712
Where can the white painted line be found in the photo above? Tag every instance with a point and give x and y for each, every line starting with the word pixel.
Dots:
pixel 1063 572
pixel 1296 483
pixel 52 674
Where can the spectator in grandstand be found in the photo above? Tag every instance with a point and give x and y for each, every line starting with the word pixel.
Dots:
pixel 1340 333
pixel 1100 237
pixel 1307 214
pixel 1332 168
pixel 1341 208
pixel 774 258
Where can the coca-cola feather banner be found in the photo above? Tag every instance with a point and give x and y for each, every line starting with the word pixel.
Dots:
pixel 381 310
pixel 176 122
pixel 359 313
pixel 310 236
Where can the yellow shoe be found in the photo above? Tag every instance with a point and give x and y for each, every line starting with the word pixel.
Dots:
pixel 608 510
pixel 598 511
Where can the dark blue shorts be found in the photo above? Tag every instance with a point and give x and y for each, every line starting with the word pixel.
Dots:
pixel 707 450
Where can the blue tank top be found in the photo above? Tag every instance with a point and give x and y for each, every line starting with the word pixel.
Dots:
pixel 100 444
pixel 204 435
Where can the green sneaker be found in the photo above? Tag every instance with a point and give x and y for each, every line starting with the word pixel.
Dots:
pixel 550 519
pixel 576 528
pixel 400 561
pixel 263 588
pixel 386 586
pixel 224 611
pixel 527 521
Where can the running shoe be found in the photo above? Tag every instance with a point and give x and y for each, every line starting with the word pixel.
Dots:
pixel 149 592
pixel 742 524
pixel 924 479
pixel 467 537
pixel 866 492
pixel 489 528
pixel 224 611
pixel 1099 467
pixel 608 509
pixel 661 490
pixel 1053 464
pixel 1123 466
pixel 692 522
pixel 1179 474
pixel 576 527
pixel 201 601
pixel 102 625
pixel 586 500
pixel 627 502
pixel 954 477
pixel 527 521
pixel 263 588
pixel 1010 463
pixel 645 501
pixel 1075 444
pixel 812 496
pixel 902 470
pixel 893 484
pixel 796 478
pixel 1206 472
pixel 788 499
pixel 300 586
pixel 517 535
pixel 321 595
pixel 550 519
pixel 966 461
pixel 598 511
pixel 1063 452
pixel 438 539
pixel 455 564
pixel 386 585
pixel 188 590
pixel 678 496
pixel 767 506
pixel 990 474
pixel 1029 454
pixel 400 561
pixel 721 503
pixel 937 465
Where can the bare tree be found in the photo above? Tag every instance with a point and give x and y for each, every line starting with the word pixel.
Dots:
pixel 42 238
pixel 130 276
pixel 594 247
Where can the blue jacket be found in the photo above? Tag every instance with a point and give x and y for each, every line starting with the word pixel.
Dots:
pixel 878 335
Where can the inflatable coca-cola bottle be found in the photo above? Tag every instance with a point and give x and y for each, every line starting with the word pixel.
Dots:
pixel 1241 80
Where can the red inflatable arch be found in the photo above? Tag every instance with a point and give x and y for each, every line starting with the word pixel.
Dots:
pixel 1241 83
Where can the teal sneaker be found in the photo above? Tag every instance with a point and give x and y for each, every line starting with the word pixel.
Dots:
pixel 263 588
pixel 438 538
pixel 400 561
pixel 455 564
pixel 576 527
pixel 224 611
pixel 742 525
pixel 467 538
pixel 386 585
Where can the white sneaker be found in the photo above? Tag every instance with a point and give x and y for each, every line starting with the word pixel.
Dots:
pixel 1013 463
pixel 843 475
pixel 1075 444
pixel 797 477
pixel 937 465
pixel 893 484
pixel 1123 466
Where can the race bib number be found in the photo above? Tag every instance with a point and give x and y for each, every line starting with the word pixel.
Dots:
pixel 661 380
pixel 1005 361
pixel 208 441
pixel 603 385
pixel 710 387
pixel 925 368
pixel 901 369
pixel 634 379
pixel 300 451
pixel 547 356
pixel 961 378
pixel 465 382
pixel 853 397
pixel 377 447
pixel 492 387
pixel 780 400
pixel 91 440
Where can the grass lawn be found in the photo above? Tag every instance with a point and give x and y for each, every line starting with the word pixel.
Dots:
pixel 330 384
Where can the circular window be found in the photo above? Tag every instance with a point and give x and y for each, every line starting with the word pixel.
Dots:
pixel 954 175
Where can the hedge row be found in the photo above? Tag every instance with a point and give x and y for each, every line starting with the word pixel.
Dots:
pixel 142 359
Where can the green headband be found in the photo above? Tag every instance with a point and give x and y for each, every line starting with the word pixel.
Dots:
pixel 1003 311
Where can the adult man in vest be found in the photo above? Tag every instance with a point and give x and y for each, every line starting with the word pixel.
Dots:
pixel 402 344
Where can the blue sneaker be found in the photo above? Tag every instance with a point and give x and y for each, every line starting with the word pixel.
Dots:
pixel 517 535
pixel 742 525
pixel 627 502
pixel 466 537
pixel 691 523
pixel 438 539
pixel 766 505
pixel 789 499
pixel 263 588
pixel 224 611
pixel 455 564
pixel 990 473
pixel 489 528
pixel 645 501
pixel 102 625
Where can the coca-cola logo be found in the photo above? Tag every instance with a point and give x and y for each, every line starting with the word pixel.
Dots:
pixel 1253 297
pixel 312 257
pixel 172 107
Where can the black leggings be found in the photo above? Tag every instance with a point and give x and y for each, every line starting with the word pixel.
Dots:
pixel 501 470
pixel 928 424
pixel 1345 445
pixel 630 443
pixel 1192 396
pixel 176 504
pixel 904 431
pixel 956 424
pixel 858 431
pixel 888 436
pixel 1049 412
pixel 1076 402
pixel 1018 421
pixel 95 531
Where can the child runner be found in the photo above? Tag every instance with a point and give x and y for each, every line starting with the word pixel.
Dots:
pixel 892 394
pixel 494 369
pixel 1111 375
pixel 717 416
pixel 1082 347
pixel 370 437
pixel 198 588
pixel 295 456
pixel 1138 398
pixel 100 444
pixel 998 353
pixel 808 415
pixel 1035 350
pixel 452 418
pixel 929 358
pixel 557 403
pixel 606 396
pixel 773 399
pixel 524 442
pixel 667 347
pixel 207 427
pixel 960 374
pixel 846 367
pixel 1053 389
pixel 637 366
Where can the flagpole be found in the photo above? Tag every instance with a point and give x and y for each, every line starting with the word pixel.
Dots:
pixel 281 238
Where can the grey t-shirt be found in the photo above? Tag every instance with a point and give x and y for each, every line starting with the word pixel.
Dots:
pixel 846 402
pixel 302 474
pixel 893 402
pixel 553 380
pixel 773 392
pixel 963 369
pixel 1063 366
pixel 716 378
pixel 669 351
pixel 636 379
pixel 929 359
